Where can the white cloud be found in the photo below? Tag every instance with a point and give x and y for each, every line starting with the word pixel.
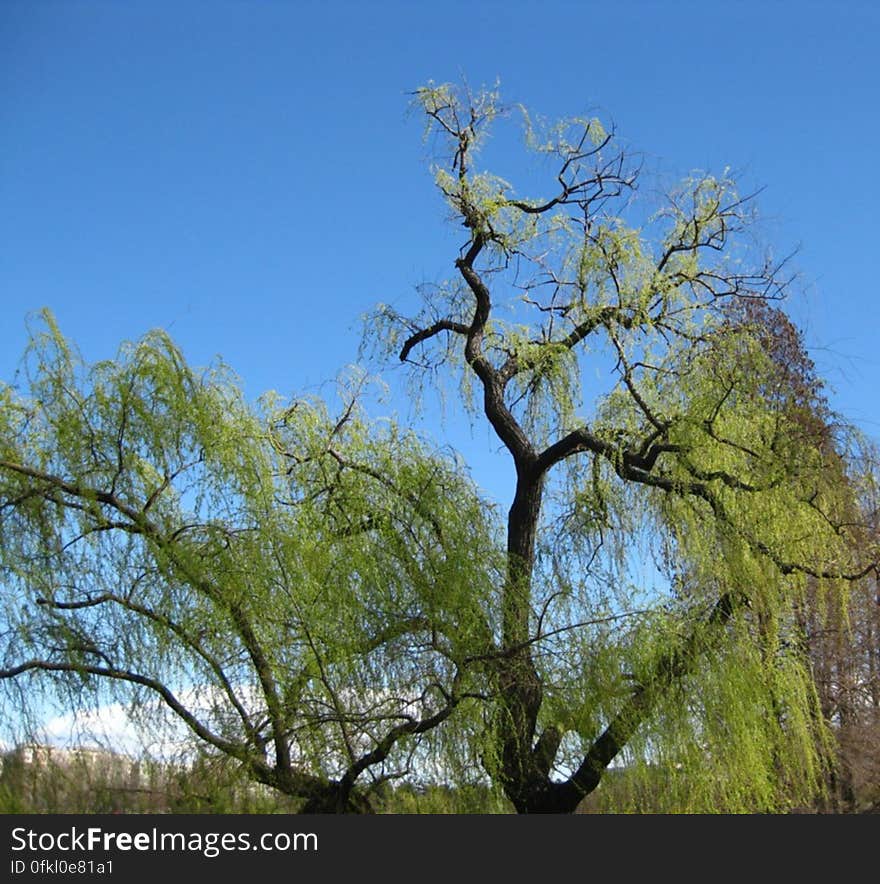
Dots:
pixel 112 727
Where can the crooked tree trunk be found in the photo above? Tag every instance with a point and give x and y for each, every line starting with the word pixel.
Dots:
pixel 527 762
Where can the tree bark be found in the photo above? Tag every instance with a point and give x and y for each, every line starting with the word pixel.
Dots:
pixel 519 684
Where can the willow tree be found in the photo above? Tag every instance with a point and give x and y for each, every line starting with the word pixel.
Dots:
pixel 329 602
pixel 661 532
pixel 299 591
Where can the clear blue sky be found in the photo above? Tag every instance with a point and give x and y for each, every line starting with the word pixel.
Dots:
pixel 245 175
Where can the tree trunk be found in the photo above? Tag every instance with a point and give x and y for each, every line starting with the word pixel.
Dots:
pixel 523 773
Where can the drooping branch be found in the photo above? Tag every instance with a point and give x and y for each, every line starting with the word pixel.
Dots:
pixel 234 750
pixel 141 524
pixel 188 640
pixel 77 490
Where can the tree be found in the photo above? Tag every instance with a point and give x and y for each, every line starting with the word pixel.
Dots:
pixel 712 438
pixel 843 642
pixel 329 603
pixel 294 589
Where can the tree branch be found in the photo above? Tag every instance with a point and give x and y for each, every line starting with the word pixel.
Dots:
pixel 671 667
pixel 185 637
pixel 430 332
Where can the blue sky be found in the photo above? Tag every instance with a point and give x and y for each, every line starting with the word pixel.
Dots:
pixel 245 175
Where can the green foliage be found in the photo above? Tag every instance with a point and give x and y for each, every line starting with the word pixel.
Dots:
pixel 328 604
pixel 277 576
pixel 711 453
